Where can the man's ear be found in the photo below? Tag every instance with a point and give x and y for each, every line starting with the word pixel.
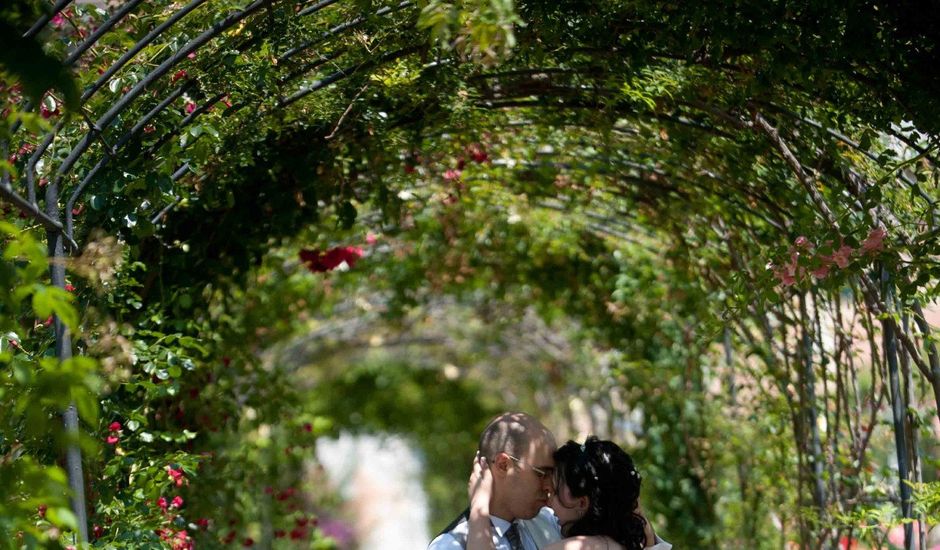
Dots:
pixel 501 464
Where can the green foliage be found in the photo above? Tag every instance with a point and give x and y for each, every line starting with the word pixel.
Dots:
pixel 36 388
pixel 596 166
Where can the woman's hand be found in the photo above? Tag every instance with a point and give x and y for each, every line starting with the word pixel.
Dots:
pixel 479 489
pixel 480 486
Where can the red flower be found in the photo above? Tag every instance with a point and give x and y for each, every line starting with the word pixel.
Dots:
pixel 161 502
pixel 279 534
pixel 177 502
pixel 227 101
pixel 203 523
pixel 149 129
pixel 69 287
pixel 42 511
pixel 177 475
pixel 77 211
pixel 308 427
pixel 301 522
pixel 189 107
pixel 178 75
pixel 46 113
pixel 477 153
pixel 298 533
pixel 97 531
pixel 286 494
pixel 112 439
pixel 58 20
pixel 48 321
pixel 409 169
pixel 248 542
pixel 319 262
pixel 115 427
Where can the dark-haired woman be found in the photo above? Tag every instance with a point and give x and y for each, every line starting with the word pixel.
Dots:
pixel 596 501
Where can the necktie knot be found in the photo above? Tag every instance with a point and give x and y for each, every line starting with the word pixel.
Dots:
pixel 515 540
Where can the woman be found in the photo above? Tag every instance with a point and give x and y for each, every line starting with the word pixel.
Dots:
pixel 596 501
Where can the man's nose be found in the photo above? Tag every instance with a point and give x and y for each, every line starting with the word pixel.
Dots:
pixel 548 485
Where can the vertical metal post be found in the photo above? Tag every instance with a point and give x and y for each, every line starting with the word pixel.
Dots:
pixel 897 405
pixel 63 349
pixel 809 409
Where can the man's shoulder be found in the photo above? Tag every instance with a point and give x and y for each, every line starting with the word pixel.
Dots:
pixel 454 539
pixel 544 527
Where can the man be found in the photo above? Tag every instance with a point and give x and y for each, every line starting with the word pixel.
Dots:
pixel 519 448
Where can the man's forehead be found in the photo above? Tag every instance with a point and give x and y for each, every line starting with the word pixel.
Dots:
pixel 541 448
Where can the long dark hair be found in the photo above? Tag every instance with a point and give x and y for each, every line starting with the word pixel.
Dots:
pixel 603 472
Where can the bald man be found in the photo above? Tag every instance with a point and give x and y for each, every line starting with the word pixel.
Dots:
pixel 520 449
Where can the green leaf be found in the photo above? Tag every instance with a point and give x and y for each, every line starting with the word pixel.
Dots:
pixel 49 300
pixel 87 405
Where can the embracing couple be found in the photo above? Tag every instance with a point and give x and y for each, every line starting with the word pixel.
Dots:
pixel 592 489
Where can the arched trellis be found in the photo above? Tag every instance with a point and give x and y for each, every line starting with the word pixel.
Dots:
pixel 515 89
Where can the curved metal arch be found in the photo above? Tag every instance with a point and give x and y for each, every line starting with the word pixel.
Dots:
pixel 164 68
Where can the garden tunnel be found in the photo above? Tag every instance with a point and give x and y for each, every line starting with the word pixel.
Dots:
pixel 735 203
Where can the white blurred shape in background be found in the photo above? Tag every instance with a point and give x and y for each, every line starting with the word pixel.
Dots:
pixel 379 477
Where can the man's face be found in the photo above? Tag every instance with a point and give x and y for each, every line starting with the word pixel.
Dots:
pixel 531 478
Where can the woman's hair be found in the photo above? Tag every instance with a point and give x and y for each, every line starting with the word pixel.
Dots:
pixel 603 472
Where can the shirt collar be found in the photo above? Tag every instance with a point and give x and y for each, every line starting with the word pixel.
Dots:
pixel 500 525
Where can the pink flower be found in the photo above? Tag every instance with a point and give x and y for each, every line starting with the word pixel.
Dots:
pixel 451 175
pixel 58 20
pixel 841 256
pixel 69 287
pixel 803 242
pixel 112 439
pixel 42 510
pixel 177 502
pixel 178 75
pixel 161 502
pixel 371 238
pixel 191 55
pixel 190 107
pixel 114 427
pixel 874 242
pixel 785 275
pixel 821 272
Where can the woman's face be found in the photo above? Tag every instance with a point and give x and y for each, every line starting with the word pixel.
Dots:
pixel 567 508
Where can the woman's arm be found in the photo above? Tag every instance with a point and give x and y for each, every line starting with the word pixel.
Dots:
pixel 480 487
